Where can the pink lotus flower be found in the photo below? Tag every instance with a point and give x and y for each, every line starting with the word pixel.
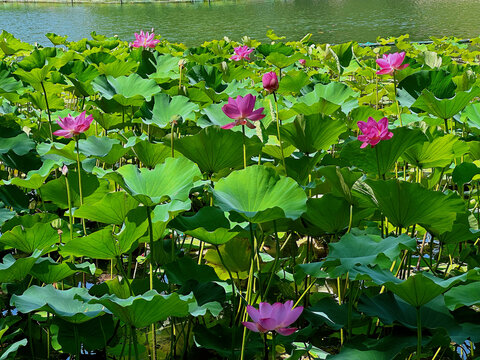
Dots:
pixel 73 126
pixel 241 110
pixel 373 132
pixel 302 62
pixel 145 40
pixel 276 317
pixel 270 81
pixel 241 53
pixel 391 62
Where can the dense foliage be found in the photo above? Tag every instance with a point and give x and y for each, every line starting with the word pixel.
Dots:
pixel 147 233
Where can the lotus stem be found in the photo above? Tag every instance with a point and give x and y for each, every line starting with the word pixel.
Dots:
pixel 274 352
pixel 172 134
pixel 419 334
pixel 395 97
pixel 67 185
pixel 48 110
pixel 275 263
pixel 244 148
pixel 150 232
pixel 79 167
pixel 278 132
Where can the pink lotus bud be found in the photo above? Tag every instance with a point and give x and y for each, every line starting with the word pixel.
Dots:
pixel 302 62
pixel 270 81
pixel 64 170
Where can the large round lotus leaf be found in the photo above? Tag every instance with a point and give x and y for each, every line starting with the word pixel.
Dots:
pixel 354 250
pixel 34 178
pixel 48 271
pixel 126 90
pixel 40 236
pixel 463 295
pixel 260 195
pixel 445 108
pixel 143 310
pixel 168 181
pixel 65 303
pixel 388 151
pixel 104 243
pixel 15 270
pixel 209 224
pixel 165 109
pixel 406 204
pixel 439 152
pixel 215 149
pixel 310 134
pixel 111 209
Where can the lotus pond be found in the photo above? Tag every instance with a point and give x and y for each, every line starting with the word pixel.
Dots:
pixel 284 200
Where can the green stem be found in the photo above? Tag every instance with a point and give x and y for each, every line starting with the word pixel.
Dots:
pixel 150 231
pixel 277 254
pixel 48 110
pixel 80 183
pixel 419 334
pixel 69 207
pixel 274 352
pixel 122 272
pixel 172 135
pixel 278 132
pixel 244 148
pixel 77 342
pixel 395 97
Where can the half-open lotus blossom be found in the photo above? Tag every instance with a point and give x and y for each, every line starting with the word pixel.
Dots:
pixel 276 317
pixel 302 62
pixel 241 53
pixel 270 81
pixel 373 132
pixel 391 62
pixel 73 126
pixel 241 110
pixel 145 40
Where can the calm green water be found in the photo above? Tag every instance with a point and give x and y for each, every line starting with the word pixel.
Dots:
pixel 332 21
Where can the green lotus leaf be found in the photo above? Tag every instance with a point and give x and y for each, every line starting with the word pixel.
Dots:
pixel 463 295
pixel 48 271
pixel 105 244
pixel 34 178
pixel 12 349
pixel 93 190
pixel 151 154
pixel 214 149
pixel 64 303
pixel 38 236
pixel 11 45
pixel 472 115
pixel 209 224
pixel 406 204
pixel 388 151
pixel 111 209
pixel 144 310
pixel 439 82
pixel 292 82
pixel 126 90
pixel 8 84
pixel 166 68
pixel 56 39
pixel 236 257
pixel 445 108
pixel 117 68
pixel 387 348
pixel 167 109
pixel 277 47
pixel 260 195
pixel 168 181
pixel 209 74
pixel 90 335
pixel 16 270
pixel 310 134
pixel 390 308
pixel 422 287
pixel 96 146
pixel 354 250
pixel 440 152
pixel 464 173
pixel 331 215
pixel 20 144
pixel 186 269
pixel 281 60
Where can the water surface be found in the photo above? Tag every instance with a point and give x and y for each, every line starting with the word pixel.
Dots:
pixel 332 21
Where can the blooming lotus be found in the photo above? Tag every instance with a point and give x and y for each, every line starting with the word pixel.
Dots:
pixel 373 132
pixel 241 110
pixel 241 53
pixel 276 317
pixel 145 40
pixel 73 126
pixel 391 62
pixel 270 81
